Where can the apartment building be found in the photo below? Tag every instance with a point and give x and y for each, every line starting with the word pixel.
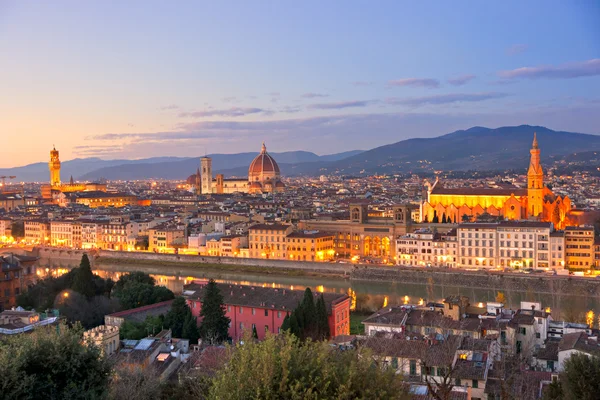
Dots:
pixel 65 233
pixel 268 241
pixel 579 247
pixel 509 244
pixel 478 245
pixel 163 238
pixel 557 249
pixel 310 246
pixel 37 231
pixel 426 248
pixel 524 244
pixel 5 229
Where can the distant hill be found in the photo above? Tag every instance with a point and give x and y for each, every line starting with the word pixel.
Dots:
pixel 477 148
pixel 228 164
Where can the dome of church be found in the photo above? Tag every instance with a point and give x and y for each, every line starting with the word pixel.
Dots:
pixel 191 180
pixel 263 165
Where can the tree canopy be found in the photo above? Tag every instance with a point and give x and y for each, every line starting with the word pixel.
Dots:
pixel 138 289
pixel 580 379
pixel 52 363
pixel 284 367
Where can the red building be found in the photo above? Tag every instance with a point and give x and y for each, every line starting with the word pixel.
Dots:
pixel 17 273
pixel 265 308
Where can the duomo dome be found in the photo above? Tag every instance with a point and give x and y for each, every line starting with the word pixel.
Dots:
pixel 263 174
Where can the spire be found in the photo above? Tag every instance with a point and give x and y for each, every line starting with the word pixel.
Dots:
pixel 263 150
pixel 535 142
pixel 71 181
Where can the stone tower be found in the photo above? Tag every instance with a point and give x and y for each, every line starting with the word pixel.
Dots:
pixel 206 175
pixel 197 182
pixel 54 167
pixel 535 182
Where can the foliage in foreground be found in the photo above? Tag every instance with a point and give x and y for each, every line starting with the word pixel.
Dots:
pixel 52 363
pixel 285 367
pixel 580 379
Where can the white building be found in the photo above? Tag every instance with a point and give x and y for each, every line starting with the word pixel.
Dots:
pixel 426 248
pixel 524 244
pixel 477 245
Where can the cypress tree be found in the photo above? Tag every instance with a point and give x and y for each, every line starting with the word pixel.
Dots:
pixel 444 220
pixel 177 315
pixel 215 324
pixel 435 219
pixel 309 315
pixel 285 325
pixel 190 329
pixel 83 281
pixel 322 322
pixel 294 327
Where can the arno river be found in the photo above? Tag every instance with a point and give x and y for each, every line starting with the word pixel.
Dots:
pixel 369 295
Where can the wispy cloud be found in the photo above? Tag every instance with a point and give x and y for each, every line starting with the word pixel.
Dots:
pixel 313 95
pixel 229 99
pixel 170 107
pixel 339 105
pixel 362 83
pixel 445 99
pixel 274 94
pixel 227 112
pixel 516 49
pixel 563 71
pixel 416 82
pixel 461 80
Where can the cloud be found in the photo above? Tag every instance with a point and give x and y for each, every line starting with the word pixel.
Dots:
pixel 516 49
pixel 313 95
pixel 416 82
pixel 228 112
pixel 362 83
pixel 339 105
pixel 289 109
pixel 274 94
pixel 445 99
pixel 170 107
pixel 563 71
pixel 339 132
pixel 229 99
pixel 461 80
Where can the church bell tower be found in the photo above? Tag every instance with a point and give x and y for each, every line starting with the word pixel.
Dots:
pixel 206 175
pixel 535 182
pixel 54 167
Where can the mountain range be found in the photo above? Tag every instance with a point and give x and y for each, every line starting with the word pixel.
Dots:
pixel 477 148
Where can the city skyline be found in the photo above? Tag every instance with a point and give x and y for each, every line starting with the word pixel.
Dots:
pixel 217 78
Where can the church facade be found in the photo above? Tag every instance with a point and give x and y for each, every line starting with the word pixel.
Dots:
pixel 535 202
pixel 263 177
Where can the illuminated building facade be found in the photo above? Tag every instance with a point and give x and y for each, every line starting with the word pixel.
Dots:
pixel 536 201
pixel 367 233
pixel 264 309
pixel 56 186
pixel 263 177
pixel 579 247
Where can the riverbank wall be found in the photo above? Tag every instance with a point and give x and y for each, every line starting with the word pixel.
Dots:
pixel 502 282
pixel 539 283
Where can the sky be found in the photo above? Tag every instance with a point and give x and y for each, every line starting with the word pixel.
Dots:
pixel 141 79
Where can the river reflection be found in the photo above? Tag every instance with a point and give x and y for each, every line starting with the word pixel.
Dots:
pixel 369 295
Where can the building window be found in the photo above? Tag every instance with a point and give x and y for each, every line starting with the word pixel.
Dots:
pixel 266 313
pixel 413 367
pixel 253 311
pixel 475 384
pixel 266 328
pixel 241 310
